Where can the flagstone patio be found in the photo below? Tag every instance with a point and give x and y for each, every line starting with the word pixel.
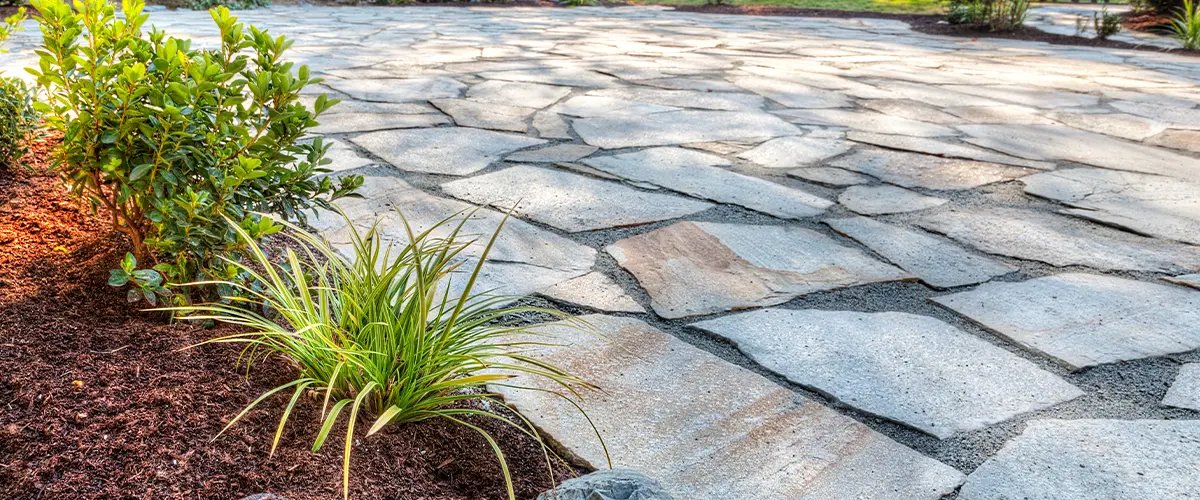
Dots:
pixel 968 260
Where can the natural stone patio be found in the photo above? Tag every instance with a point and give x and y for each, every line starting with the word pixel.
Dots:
pixel 979 255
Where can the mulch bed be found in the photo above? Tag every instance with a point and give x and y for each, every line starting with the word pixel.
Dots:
pixel 98 401
pixel 928 24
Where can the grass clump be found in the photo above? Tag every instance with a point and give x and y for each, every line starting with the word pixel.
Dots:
pixel 379 334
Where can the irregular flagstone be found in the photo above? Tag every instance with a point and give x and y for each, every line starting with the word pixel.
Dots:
pixel 717 101
pixel 697 174
pixel 556 153
pixel 342 157
pixel 349 105
pixel 1192 280
pixel 1185 390
pixel 341 123
pixel 1085 319
pixel 591 106
pixel 930 172
pixel 492 116
pixel 551 126
pixel 1047 142
pixel 1090 459
pixel 525 259
pixel 1177 116
pixel 1115 124
pixel 936 262
pixel 931 94
pixel 911 369
pixel 868 121
pixel 1008 114
pixel 792 95
pixel 400 89
pixel 792 152
pixel 697 84
pixel 532 95
pixel 1060 241
pixel 681 127
pixel 1188 140
pixel 569 77
pixel 720 147
pixel 1152 205
pixel 1034 97
pixel 878 200
pixel 714 430
pixel 829 175
pixel 446 151
pixel 594 290
pixel 912 110
pixel 942 148
pixel 696 268
pixel 570 202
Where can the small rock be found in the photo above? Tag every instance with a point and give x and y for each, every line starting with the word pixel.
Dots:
pixel 615 484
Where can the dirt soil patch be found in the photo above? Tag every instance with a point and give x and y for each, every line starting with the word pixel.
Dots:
pixel 98 401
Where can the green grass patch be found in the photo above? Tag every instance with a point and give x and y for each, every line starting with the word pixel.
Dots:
pixel 886 6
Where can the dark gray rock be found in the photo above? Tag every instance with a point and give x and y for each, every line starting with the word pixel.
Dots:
pixel 615 484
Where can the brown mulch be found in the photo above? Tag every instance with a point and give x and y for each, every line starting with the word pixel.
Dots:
pixel 1145 21
pixel 97 401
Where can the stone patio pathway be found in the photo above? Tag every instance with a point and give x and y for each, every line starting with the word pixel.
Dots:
pixel 827 258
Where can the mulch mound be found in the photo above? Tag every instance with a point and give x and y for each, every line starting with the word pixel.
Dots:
pixel 98 401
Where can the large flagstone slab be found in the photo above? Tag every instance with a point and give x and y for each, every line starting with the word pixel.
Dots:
pixel 1085 319
pixel 340 123
pixel 532 95
pixel 1060 241
pixel 867 121
pixel 792 152
pixel 1185 389
pixel 938 263
pixel 1192 280
pixel 569 77
pixel 568 201
pixel 525 259
pixel 925 171
pixel 884 199
pixel 594 290
pixel 1033 97
pixel 1177 116
pixel 1049 142
pixel 1152 205
pixel 911 369
pixel 681 127
pixel 697 174
pixel 941 148
pixel 400 89
pixel 695 268
pixel 447 151
pixel 717 101
pixel 594 106
pixel 830 175
pixel 707 429
pixel 912 110
pixel 1091 459
pixel 468 113
pixel 1187 140
pixel 1120 125
pixel 791 94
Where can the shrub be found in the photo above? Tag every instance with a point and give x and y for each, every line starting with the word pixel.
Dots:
pixel 229 4
pixel 1106 23
pixel 577 3
pixel 966 12
pixel 1185 26
pixel 379 331
pixel 173 141
pixel 999 15
pixel 17 117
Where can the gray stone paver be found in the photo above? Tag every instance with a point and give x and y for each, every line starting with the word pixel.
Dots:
pixel 1089 459
pixel 788 112
pixel 912 369
pixel 884 199
pixel 1185 389
pixel 1083 319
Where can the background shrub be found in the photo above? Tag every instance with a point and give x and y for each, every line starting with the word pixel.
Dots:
pixel 172 141
pixel 17 117
pixel 999 15
pixel 229 4
pixel 1106 23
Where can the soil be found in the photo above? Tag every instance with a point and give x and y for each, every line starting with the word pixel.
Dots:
pixel 98 401
pixel 1145 21
pixel 928 24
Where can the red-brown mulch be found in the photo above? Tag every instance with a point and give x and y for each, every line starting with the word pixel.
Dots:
pixel 96 401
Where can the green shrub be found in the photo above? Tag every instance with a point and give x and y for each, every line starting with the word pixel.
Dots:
pixel 999 15
pixel 172 141
pixel 379 331
pixel 577 3
pixel 17 117
pixel 229 4
pixel 1185 26
pixel 1106 23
